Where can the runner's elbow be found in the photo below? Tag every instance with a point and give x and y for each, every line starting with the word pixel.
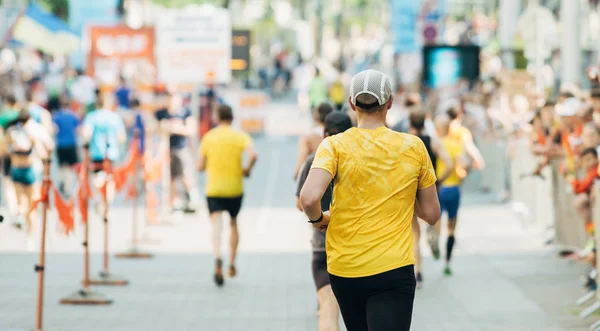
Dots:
pixel 308 198
pixel 431 215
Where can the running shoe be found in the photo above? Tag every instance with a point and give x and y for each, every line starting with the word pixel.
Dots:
pixel 433 240
pixel 447 271
pixel 219 280
pixel 419 280
pixel 590 284
pixel 232 271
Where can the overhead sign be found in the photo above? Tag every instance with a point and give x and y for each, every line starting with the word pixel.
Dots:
pixel 194 45
pixel 117 51
pixel 240 50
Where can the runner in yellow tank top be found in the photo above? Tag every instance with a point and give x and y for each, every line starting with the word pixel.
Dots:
pixel 450 193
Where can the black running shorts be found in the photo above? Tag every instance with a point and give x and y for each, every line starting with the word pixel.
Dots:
pixel 380 302
pixel 6 166
pixel 67 156
pixel 319 269
pixel 230 205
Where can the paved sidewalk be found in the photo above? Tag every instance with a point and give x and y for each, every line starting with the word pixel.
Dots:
pixel 504 280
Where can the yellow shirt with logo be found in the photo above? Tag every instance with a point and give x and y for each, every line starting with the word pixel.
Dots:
pixel 223 148
pixel 376 177
pixel 455 149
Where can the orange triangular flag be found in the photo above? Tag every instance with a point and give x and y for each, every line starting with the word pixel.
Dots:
pixel 65 210
pixel 83 194
pixel 122 173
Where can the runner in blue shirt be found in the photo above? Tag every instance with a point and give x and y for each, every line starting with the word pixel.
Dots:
pixel 104 130
pixel 66 122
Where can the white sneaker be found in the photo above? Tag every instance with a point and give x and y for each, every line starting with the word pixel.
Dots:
pixel 30 245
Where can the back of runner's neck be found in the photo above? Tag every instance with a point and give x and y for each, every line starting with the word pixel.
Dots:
pixel 370 123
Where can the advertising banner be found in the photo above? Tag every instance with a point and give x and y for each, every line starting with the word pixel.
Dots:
pixel 194 45
pixel 117 51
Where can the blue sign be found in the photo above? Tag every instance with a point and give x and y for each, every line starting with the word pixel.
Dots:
pixel 83 13
pixel 404 24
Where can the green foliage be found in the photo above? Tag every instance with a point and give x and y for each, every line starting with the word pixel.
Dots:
pixel 59 8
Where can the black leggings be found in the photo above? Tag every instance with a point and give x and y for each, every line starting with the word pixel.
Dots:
pixel 382 302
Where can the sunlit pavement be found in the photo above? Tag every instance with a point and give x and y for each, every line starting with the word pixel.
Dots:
pixel 504 279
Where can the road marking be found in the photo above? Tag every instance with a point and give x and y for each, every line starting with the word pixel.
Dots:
pixel 265 210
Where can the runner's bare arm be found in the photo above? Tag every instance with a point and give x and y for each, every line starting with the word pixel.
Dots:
pixel 252 157
pixel 303 153
pixel 474 152
pixel 187 129
pixel 427 205
pixel 316 184
pixel 46 121
pixel 441 153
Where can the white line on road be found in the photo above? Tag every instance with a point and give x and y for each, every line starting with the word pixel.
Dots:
pixel 265 210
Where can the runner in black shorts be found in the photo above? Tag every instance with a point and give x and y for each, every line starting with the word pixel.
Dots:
pixel 221 156
pixel 336 122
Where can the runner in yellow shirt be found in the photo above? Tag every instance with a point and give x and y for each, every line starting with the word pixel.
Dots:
pixel 450 192
pixel 221 157
pixel 381 178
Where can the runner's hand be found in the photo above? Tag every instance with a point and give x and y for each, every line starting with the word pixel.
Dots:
pixel 322 226
pixel 246 173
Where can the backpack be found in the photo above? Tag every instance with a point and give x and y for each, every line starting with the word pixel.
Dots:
pixel 20 140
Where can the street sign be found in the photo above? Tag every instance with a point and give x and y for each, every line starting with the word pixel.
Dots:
pixel 430 33
pixel 194 44
pixel 240 50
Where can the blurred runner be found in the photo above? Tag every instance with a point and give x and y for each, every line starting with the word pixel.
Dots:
pixel 38 113
pixel 317 92
pixel 20 145
pixel 458 131
pixel 336 122
pixel 309 143
pixel 221 154
pixel 178 123
pixel 381 178
pixel 66 122
pixel 436 150
pixel 9 114
pixel 83 91
pixel 337 93
pixel 123 94
pixel 104 130
pixel 450 192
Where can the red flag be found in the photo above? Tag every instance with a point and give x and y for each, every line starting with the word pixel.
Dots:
pixel 66 210
pixel 122 173
pixel 83 194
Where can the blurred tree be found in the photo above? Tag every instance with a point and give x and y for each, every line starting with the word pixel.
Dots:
pixel 59 8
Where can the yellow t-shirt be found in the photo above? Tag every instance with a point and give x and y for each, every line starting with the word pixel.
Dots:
pixel 455 149
pixel 223 148
pixel 458 131
pixel 376 177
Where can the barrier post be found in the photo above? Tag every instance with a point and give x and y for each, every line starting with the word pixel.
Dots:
pixel 39 268
pixel 134 252
pixel 85 296
pixel 105 277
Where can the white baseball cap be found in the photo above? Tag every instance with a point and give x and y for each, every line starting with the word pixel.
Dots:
pixel 372 82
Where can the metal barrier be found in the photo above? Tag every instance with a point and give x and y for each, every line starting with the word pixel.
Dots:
pixel 546 202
